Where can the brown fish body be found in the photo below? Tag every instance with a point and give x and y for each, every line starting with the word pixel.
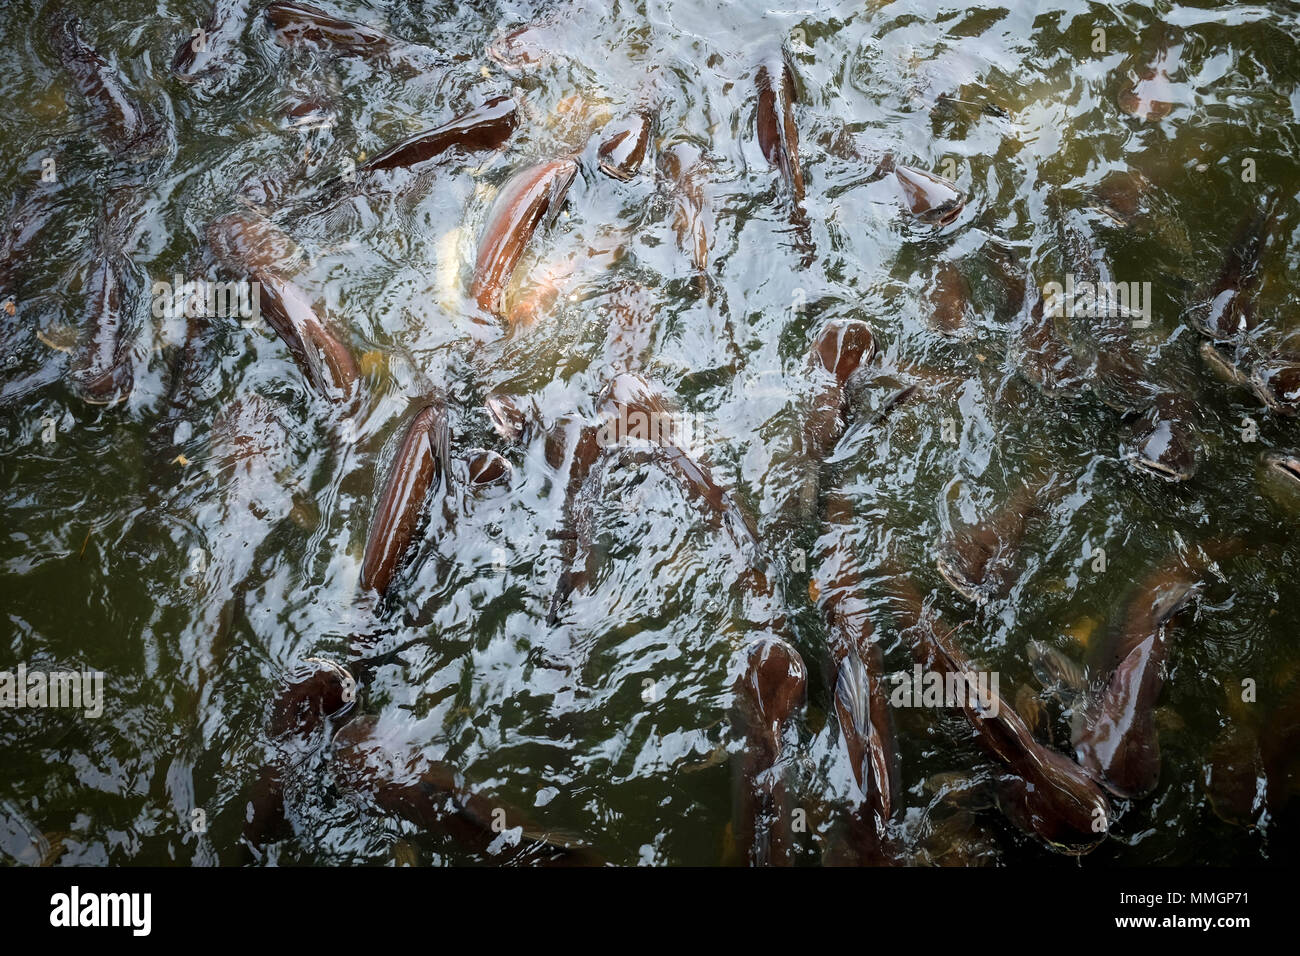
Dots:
pixel 1229 307
pixel 300 24
pixel 685 165
pixel 29 214
pixel 420 462
pixel 631 326
pixel 221 32
pixel 861 705
pixel 841 348
pixel 126 128
pixel 317 690
pixel 518 210
pixel 1041 354
pixel 574 453
pixel 768 692
pixel 1117 371
pixel 623 145
pixel 1163 441
pixel 1044 793
pixel 932 199
pixel 545 285
pixel 778 137
pixel 483 128
pixel 1116 739
pixel 247 243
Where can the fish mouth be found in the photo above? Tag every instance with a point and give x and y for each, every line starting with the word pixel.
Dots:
pixel 975 593
pixel 946 214
pixel 1288 466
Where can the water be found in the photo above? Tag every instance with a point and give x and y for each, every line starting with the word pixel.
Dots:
pixel 192 584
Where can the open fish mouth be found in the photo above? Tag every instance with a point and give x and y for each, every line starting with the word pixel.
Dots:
pixel 1287 466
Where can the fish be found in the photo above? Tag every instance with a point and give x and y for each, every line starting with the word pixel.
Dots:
pixel 1115 738
pixel 685 165
pixel 1116 372
pixel 561 278
pixel 127 129
pixel 778 136
pixel 1040 353
pixel 1227 369
pixel 29 215
pixel 1275 379
pixel 1041 791
pixel 1030 709
pixel 982 562
pixel 248 244
pixel 623 145
pixel 221 32
pixel 101 372
pixel 372 759
pixel 932 199
pixel 309 694
pixel 1279 476
pixel 841 347
pixel 630 326
pixel 420 464
pixel 487 470
pixel 1233 774
pixel 1147 92
pixel 949 302
pixel 860 702
pixel 519 208
pixel 526 47
pixel 1058 674
pixel 572 452
pixel 1227 309
pixel 483 128
pixel 300 25
pixel 1163 441
pixel 769 691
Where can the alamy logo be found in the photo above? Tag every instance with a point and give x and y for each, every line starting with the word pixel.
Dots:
pixel 1091 300
pixel 79 690
pixel 75 908
pixel 203 298
pixel 923 688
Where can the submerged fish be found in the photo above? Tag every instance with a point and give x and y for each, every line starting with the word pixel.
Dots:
pixel 1227 310
pixel 1163 441
pixel 370 759
pixel 519 208
pixel 1148 91
pixel 217 39
pixel 420 464
pixel 482 128
pixel 101 371
pixel 769 691
pixel 685 165
pixel 127 129
pixel 982 562
pixel 778 137
pixel 1115 737
pixel 1043 792
pixel 300 25
pixel 249 244
pixel 623 146
pixel 950 302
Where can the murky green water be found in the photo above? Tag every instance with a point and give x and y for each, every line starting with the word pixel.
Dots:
pixel 192 584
